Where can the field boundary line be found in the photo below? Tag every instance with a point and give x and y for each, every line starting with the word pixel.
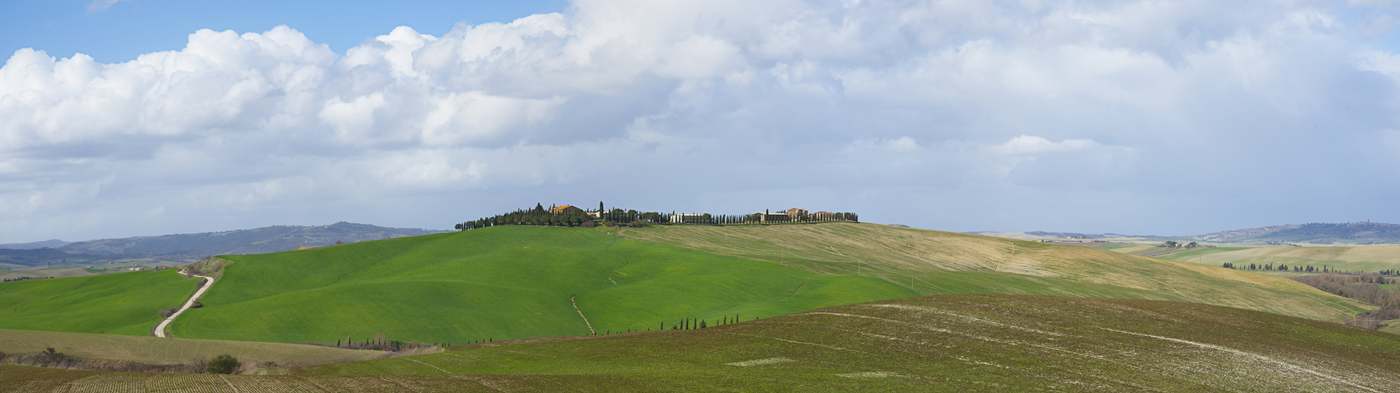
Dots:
pixel 230 384
pixel 832 347
pixel 429 365
pixel 580 315
pixel 399 384
pixel 208 282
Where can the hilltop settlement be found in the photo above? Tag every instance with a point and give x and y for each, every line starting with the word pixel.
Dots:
pixel 569 215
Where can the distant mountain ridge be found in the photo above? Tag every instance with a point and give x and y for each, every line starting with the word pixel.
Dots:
pixel 51 243
pixel 1316 233
pixel 1321 233
pixel 193 246
pixel 1076 235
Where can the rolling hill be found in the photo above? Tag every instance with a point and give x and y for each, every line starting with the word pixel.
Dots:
pixel 192 246
pixel 1312 233
pixel 959 342
pixel 945 343
pixel 120 303
pixel 504 282
pixel 930 262
pixel 518 281
pixel 1318 233
pixel 1355 258
pixel 51 243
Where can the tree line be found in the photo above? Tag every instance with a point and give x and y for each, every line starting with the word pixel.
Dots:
pixel 381 343
pixel 1282 267
pixel 1370 288
pixel 570 216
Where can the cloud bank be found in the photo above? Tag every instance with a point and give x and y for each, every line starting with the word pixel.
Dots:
pixel 1126 116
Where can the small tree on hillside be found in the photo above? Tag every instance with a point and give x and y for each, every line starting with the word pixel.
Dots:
pixel 224 364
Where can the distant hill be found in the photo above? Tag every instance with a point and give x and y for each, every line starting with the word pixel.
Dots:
pixel 193 246
pixel 1076 235
pixel 1320 233
pixel 53 243
pixel 1315 233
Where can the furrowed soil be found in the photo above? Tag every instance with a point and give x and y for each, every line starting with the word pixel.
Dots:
pixel 944 343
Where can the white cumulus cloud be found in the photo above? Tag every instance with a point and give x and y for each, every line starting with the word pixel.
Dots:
pixel 1026 109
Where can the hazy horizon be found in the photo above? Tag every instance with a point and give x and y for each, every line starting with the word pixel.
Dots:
pixel 1167 118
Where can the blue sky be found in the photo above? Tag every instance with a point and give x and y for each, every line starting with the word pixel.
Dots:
pixel 1157 117
pixel 127 28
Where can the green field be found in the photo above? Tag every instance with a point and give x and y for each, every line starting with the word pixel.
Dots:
pixel 121 303
pixel 920 260
pixel 1009 316
pixel 948 343
pixel 506 282
pixel 516 282
pixel 171 351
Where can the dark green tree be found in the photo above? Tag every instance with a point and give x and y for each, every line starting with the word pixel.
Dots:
pixel 224 364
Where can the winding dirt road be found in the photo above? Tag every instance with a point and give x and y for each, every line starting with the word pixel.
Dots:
pixel 208 282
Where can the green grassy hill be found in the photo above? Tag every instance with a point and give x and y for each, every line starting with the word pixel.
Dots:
pixel 505 282
pixel 936 262
pixel 121 303
pixel 947 343
pixel 516 282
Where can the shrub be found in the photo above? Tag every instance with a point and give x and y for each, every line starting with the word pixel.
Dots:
pixel 53 358
pixel 224 364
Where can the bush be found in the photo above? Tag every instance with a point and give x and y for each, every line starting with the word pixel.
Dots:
pixel 224 364
pixel 49 358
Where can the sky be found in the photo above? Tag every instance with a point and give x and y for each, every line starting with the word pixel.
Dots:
pixel 139 117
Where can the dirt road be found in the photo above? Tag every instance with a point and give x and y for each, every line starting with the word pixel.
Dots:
pixel 208 282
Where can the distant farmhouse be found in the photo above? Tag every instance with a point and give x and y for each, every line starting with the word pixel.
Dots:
pixel 570 215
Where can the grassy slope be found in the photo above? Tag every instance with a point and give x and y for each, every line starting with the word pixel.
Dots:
pixel 923 261
pixel 514 282
pixel 122 303
pixel 505 282
pixel 152 350
pixel 1356 258
pixel 949 343
pixel 992 343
